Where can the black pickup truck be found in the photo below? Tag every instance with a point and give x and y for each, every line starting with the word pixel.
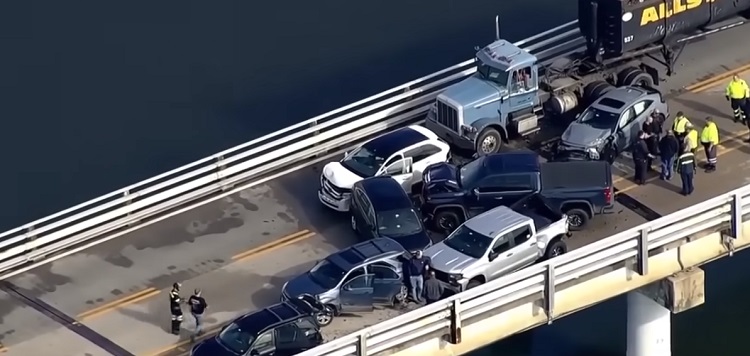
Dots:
pixel 452 194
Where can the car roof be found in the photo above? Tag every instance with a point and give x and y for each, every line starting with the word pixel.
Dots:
pixel 392 142
pixel 496 220
pixel 619 99
pixel 511 162
pixel 385 193
pixel 365 251
pixel 260 320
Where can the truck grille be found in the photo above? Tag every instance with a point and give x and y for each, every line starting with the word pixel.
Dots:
pixel 442 276
pixel 332 190
pixel 447 116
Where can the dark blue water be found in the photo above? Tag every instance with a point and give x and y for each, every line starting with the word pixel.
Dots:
pixel 96 95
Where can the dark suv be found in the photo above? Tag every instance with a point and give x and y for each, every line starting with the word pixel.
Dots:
pixel 287 328
pixel 381 208
pixel 452 195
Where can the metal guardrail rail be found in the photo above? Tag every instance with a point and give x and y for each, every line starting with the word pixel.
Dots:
pixel 240 167
pixel 542 281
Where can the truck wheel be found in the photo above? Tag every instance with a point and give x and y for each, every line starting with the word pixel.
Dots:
pixel 577 219
pixel 623 75
pixel 473 283
pixel 447 220
pixel 488 142
pixel 324 317
pixel 595 90
pixel 640 78
pixel 556 248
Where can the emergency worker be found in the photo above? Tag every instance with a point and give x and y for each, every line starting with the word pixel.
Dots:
pixel 737 94
pixel 709 140
pixel 685 166
pixel 679 127
pixel 691 139
pixel 175 308
pixel 641 157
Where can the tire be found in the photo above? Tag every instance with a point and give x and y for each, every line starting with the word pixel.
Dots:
pixel 556 248
pixel 399 299
pixel 641 79
pixel 488 141
pixel 473 283
pixel 447 220
pixel 324 317
pixel 577 219
pixel 623 75
pixel 595 90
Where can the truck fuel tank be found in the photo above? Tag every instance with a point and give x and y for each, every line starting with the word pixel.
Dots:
pixel 615 27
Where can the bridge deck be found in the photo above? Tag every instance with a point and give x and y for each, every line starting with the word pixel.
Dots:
pixel 230 248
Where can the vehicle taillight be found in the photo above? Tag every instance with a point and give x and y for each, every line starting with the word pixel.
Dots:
pixel 608 195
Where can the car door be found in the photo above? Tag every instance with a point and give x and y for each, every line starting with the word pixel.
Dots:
pixel 504 189
pixel 264 344
pixel 523 250
pixel 356 294
pixel 297 336
pixel 642 110
pixel 522 89
pixel 626 132
pixel 499 258
pixel 422 155
pixel 363 215
pixel 399 168
pixel 386 282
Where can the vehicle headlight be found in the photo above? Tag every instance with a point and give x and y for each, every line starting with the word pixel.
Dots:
pixel 467 130
pixel 593 152
pixel 455 277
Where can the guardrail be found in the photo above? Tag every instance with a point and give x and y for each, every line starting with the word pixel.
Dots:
pixel 240 167
pixel 544 280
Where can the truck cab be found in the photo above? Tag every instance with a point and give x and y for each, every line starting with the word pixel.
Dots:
pixel 500 99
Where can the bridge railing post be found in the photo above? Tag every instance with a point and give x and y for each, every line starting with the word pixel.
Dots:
pixel 642 257
pixel 549 293
pixel 455 332
pixel 735 223
pixel 30 237
pixel 362 343
pixel 220 167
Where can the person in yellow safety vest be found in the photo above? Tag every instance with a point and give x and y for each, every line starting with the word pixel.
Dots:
pixel 709 139
pixel 691 138
pixel 737 94
pixel 679 127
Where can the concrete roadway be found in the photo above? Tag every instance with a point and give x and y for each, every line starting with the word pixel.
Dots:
pixel 240 250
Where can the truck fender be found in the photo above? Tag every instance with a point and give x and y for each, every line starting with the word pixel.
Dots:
pixel 494 122
pixel 581 204
pixel 451 206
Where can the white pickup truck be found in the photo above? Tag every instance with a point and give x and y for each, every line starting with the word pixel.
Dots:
pixel 499 242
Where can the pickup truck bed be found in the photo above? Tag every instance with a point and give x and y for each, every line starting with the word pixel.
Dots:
pixel 539 210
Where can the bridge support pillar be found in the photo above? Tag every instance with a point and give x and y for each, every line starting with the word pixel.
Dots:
pixel 650 311
pixel 649 327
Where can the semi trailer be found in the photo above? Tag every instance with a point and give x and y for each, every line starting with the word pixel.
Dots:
pixel 512 90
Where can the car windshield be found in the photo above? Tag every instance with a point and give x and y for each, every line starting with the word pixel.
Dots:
pixel 364 161
pixel 495 75
pixel 236 339
pixel 599 118
pixel 470 172
pixel 400 222
pixel 327 274
pixel 468 242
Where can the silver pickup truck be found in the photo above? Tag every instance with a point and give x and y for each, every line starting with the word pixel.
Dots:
pixel 498 242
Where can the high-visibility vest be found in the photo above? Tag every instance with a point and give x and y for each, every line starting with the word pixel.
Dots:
pixel 738 89
pixel 710 133
pixel 679 124
pixel 692 139
pixel 685 161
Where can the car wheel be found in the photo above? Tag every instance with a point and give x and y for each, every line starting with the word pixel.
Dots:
pixel 473 283
pixel 354 224
pixel 400 298
pixel 556 248
pixel 447 221
pixel 489 141
pixel 324 317
pixel 577 219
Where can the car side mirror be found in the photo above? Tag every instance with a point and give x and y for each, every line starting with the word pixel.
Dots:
pixel 254 353
pixel 347 288
pixel 541 245
pixel 493 255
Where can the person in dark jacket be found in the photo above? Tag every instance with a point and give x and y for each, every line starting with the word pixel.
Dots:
pixel 433 289
pixel 686 166
pixel 175 308
pixel 652 129
pixel 416 267
pixel 198 306
pixel 668 148
pixel 641 155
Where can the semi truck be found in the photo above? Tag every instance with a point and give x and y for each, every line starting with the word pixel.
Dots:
pixel 512 91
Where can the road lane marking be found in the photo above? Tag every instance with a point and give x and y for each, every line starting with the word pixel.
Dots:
pixel 119 303
pixel 714 81
pixel 184 346
pixel 286 240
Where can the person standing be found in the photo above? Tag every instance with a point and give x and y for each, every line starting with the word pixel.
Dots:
pixel 433 289
pixel 198 306
pixel 679 127
pixel 709 140
pixel 652 130
pixel 686 168
pixel 691 139
pixel 668 148
pixel 417 266
pixel 738 93
pixel 641 156
pixel 175 308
